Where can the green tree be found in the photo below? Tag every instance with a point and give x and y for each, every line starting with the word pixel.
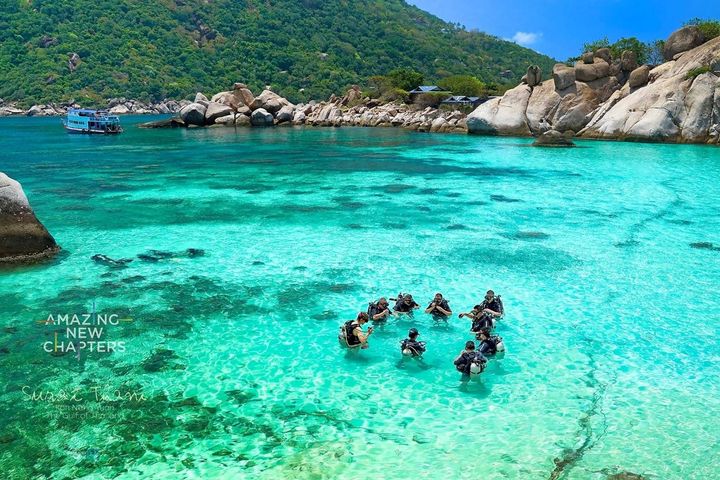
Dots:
pixel 709 28
pixel 464 85
pixel 596 45
pixel 632 44
pixel 405 78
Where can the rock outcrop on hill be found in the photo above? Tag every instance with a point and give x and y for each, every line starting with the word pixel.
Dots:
pixel 22 236
pixel 602 97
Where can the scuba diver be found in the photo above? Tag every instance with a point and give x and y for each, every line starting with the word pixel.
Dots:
pixel 470 362
pixel 479 318
pixel 351 333
pixel 489 344
pixel 492 305
pixel 410 347
pixel 405 304
pixel 439 308
pixel 379 311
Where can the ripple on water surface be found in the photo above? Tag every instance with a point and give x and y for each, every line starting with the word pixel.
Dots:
pixel 600 255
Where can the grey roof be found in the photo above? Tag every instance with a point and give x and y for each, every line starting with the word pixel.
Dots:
pixel 426 89
pixel 461 99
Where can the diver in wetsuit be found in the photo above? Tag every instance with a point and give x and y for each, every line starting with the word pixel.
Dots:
pixel 470 362
pixel 479 318
pixel 488 344
pixel 410 347
pixel 405 304
pixel 352 335
pixel 439 308
pixel 379 311
pixel 492 305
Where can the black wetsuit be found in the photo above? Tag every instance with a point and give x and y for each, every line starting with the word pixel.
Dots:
pixel 417 348
pixel 437 313
pixel 462 364
pixel 403 307
pixel 488 347
pixel 374 309
pixel 495 305
pixel 481 322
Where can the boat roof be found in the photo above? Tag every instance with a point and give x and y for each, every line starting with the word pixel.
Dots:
pixel 86 110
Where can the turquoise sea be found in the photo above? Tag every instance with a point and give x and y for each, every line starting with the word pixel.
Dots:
pixel 607 258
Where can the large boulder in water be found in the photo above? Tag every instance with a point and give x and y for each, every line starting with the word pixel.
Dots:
pixel 230 99
pixel 682 40
pixel 193 114
pixel 502 116
pixel 270 101
pixel 242 91
pixel 215 111
pixel 543 101
pixel 261 118
pixel 22 236
pixel 285 114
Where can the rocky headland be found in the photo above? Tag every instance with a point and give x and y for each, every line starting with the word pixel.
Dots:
pixel 118 106
pixel 615 98
pixel 22 237
pixel 240 107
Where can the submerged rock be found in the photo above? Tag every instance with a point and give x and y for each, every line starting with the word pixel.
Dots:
pixel 704 246
pixel 22 236
pixel 626 476
pixel 553 138
pixel 157 255
pixel 161 359
pixel 110 262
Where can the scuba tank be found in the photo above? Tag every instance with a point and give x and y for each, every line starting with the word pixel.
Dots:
pixel 477 365
pixel 499 345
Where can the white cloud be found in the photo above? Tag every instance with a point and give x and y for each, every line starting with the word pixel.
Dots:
pixel 526 38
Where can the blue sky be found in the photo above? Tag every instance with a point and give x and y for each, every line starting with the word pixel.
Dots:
pixel 560 27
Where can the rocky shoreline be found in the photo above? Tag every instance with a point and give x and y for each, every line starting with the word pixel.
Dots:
pixel 118 106
pixel 607 98
pixel 240 107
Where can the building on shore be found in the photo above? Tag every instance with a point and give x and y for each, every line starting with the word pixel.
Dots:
pixel 463 101
pixel 424 90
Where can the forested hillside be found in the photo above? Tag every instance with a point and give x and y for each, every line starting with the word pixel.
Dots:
pixel 150 50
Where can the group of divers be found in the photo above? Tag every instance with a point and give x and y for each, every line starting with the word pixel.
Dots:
pixel 470 362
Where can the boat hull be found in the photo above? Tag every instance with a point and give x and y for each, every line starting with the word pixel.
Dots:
pixel 92 131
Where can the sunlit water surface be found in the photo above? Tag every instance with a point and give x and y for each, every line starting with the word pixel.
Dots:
pixel 611 325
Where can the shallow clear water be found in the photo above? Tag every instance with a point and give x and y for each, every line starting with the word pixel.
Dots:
pixel 611 325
